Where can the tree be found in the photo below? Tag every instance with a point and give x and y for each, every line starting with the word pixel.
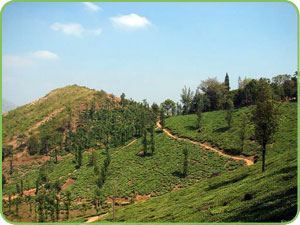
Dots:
pixel 79 156
pixel 185 162
pixel 11 163
pixel 152 141
pixel 57 207
pixel 18 188
pixel 45 144
pixel 243 130
pixel 265 116
pixel 162 118
pixel 21 187
pixel 68 204
pixel 226 82
pixel 240 82
pixel 155 108
pixel 169 107
pixel 214 94
pixel 186 99
pixel 199 114
pixel 115 190
pixel 123 99
pixel 229 111
pixel 178 109
pixel 33 145
pixel 18 202
pixel 145 141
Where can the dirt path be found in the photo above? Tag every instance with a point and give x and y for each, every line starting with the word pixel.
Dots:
pixel 130 143
pixel 95 218
pixel 249 161
pixel 30 192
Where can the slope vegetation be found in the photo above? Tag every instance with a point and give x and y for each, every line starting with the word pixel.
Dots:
pixel 244 195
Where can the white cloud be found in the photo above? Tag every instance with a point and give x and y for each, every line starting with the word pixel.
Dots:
pixel 69 28
pixel 16 61
pixel 130 21
pixel 44 54
pixel 91 6
pixel 74 29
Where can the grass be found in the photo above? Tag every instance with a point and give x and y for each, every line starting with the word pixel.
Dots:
pixel 215 130
pixel 30 114
pixel 242 195
pixel 155 175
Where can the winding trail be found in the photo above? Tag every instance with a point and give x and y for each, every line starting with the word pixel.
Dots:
pixel 249 160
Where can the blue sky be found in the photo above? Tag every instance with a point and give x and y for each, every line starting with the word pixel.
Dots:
pixel 146 50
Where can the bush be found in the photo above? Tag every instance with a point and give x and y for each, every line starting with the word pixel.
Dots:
pixel 33 145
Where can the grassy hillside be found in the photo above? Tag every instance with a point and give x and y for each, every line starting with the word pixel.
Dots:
pixel 215 130
pixel 48 113
pixel 155 175
pixel 245 194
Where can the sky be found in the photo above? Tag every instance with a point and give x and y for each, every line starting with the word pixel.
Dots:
pixel 146 50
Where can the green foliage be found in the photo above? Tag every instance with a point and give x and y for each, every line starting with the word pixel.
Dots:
pixel 222 198
pixel 265 116
pixel 169 107
pixel 214 130
pixel 185 162
pixel 186 99
pixel 226 82
pixel 33 145
pixel 229 111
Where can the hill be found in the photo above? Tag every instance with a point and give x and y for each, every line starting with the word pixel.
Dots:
pixel 242 195
pixel 47 115
pixel 95 151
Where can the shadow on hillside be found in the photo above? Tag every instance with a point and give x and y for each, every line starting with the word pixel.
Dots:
pixel 221 130
pixel 191 127
pixel 142 155
pixel 178 174
pixel 234 180
pixel 273 208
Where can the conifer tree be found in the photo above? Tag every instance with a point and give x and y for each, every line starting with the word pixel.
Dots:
pixel 226 82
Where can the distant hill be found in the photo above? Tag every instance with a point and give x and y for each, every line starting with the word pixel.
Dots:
pixel 7 106
pixel 50 113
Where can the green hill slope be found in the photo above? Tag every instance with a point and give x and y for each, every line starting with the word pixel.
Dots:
pixel 245 194
pixel 48 114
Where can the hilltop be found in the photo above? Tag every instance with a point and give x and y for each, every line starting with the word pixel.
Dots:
pixel 48 115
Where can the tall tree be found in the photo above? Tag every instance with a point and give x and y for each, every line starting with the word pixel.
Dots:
pixel 152 141
pixel 169 107
pixel 243 130
pixel 214 94
pixel 162 118
pixel 11 163
pixel 229 111
pixel 265 116
pixel 226 82
pixel 185 162
pixel 145 143
pixel 186 99
pixel 199 114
